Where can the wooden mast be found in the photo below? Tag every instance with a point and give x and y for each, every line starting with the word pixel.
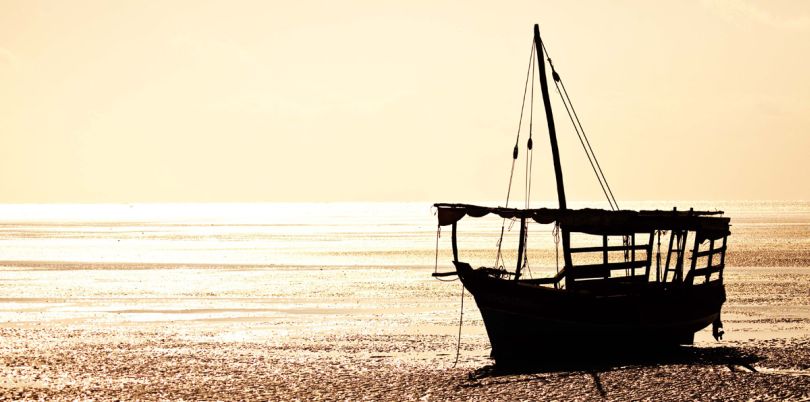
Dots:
pixel 555 153
pixel 552 132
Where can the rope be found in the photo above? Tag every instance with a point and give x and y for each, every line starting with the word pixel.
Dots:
pixel 589 144
pixel 460 321
pixel 528 175
pixel 583 138
pixel 520 123
pixel 526 251
pixel 529 70
pixel 555 232
pixel 436 261
pixel 527 184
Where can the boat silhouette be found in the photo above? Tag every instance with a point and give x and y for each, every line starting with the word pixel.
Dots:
pixel 613 293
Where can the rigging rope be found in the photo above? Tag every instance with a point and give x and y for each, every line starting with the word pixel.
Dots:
pixel 588 142
pixel 583 138
pixel 520 123
pixel 528 175
pixel 498 256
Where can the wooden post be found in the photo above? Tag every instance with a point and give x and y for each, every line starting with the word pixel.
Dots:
pixel 552 132
pixel 521 243
pixel 453 241
pixel 695 250
pixel 633 253
pixel 669 253
pixel 682 237
pixel 722 260
pixel 649 255
pixel 555 153
pixel 709 262
pixel 605 254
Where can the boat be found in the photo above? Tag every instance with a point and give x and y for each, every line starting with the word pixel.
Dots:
pixel 616 290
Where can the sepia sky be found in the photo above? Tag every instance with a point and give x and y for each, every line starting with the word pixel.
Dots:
pixel 198 101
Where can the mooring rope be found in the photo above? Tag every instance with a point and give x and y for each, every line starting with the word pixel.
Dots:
pixel 460 321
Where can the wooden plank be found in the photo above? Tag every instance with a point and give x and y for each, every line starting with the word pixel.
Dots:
pixel 605 254
pixel 708 270
pixel 605 249
pixel 723 257
pixel 600 270
pixel 633 251
pixel 598 222
pixel 521 243
pixel 695 249
pixel 669 254
pixel 546 281
pixel 449 273
pixel 649 254
pixel 454 243
pixel 635 278
pixel 609 248
pixel 708 252
pixel 609 284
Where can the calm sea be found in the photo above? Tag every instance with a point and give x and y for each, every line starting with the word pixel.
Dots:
pixel 346 235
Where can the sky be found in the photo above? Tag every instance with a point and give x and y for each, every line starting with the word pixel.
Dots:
pixel 264 101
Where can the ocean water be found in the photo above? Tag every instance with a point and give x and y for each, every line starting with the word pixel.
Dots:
pixel 259 270
pixel 401 235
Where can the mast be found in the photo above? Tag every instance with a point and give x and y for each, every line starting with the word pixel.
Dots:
pixel 552 132
pixel 555 153
pixel 521 245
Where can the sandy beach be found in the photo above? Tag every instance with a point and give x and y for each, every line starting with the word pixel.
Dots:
pixel 359 346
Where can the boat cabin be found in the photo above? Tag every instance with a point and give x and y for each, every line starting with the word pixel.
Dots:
pixel 695 244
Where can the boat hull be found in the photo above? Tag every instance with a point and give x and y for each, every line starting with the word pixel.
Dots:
pixel 524 319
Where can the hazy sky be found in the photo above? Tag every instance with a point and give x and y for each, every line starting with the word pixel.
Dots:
pixel 164 101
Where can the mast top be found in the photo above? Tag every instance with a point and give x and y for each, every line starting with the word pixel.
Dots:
pixel 552 132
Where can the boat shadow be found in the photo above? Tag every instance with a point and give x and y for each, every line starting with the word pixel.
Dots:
pixel 736 359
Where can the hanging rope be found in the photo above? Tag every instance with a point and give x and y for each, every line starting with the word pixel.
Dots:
pixel 526 267
pixel 498 256
pixel 460 321
pixel 528 175
pixel 436 261
pixel 555 232
pixel 520 122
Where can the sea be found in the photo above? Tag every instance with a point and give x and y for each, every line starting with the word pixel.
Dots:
pixel 333 267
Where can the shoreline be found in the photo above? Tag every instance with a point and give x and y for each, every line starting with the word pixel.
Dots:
pixel 353 334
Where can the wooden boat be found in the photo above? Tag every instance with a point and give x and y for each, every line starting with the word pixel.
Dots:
pixel 611 294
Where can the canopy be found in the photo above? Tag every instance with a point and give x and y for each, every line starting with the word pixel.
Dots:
pixel 599 221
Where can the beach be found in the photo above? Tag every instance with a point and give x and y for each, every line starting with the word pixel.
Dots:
pixel 271 303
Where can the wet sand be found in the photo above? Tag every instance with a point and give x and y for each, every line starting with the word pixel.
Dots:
pixel 337 334
pixel 111 364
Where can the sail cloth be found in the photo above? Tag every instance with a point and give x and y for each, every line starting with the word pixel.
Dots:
pixel 599 221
